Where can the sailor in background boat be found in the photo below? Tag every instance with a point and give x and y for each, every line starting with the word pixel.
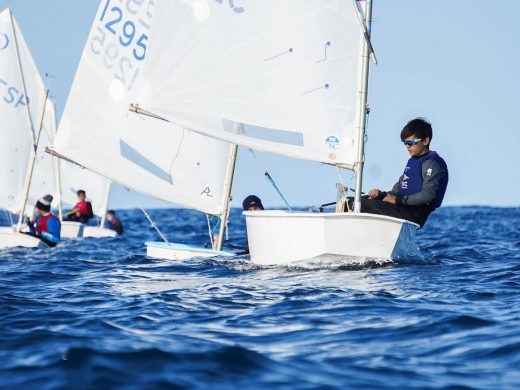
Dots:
pixel 421 187
pixel 250 203
pixel 113 223
pixel 47 226
pixel 82 210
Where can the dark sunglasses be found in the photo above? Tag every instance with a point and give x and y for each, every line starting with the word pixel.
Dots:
pixel 411 142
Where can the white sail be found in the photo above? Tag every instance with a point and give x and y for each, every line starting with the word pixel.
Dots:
pixel 22 95
pixel 74 178
pixel 43 181
pixel 143 154
pixel 288 70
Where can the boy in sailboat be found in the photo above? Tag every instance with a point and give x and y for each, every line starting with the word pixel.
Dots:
pixel 421 187
pixel 82 210
pixel 47 226
pixel 113 223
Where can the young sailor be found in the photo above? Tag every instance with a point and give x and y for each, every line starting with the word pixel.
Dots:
pixel 82 210
pixel 250 203
pixel 113 223
pixel 47 226
pixel 421 187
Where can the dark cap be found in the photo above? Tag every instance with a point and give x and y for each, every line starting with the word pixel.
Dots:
pixel 252 201
pixel 44 203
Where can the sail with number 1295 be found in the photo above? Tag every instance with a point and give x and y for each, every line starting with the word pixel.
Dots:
pixel 143 154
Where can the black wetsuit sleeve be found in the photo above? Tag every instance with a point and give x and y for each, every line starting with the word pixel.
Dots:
pixel 432 174
pixel 395 189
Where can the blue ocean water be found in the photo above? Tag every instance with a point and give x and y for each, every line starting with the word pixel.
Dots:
pixel 97 313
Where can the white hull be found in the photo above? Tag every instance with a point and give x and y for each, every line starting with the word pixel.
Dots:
pixel 280 237
pixel 10 239
pixel 98 232
pixel 172 251
pixel 72 229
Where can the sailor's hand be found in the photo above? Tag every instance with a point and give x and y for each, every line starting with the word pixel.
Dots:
pixel 389 199
pixel 374 193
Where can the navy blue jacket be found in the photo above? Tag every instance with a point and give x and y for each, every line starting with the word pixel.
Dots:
pixel 423 182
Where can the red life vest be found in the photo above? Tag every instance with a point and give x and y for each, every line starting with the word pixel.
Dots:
pixel 83 208
pixel 41 224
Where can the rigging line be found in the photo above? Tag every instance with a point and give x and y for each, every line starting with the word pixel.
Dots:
pixel 9 217
pixel 154 225
pixel 343 189
pixel 210 231
pixel 271 180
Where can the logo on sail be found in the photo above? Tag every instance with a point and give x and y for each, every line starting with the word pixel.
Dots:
pixel 332 141
pixel 4 41
pixel 207 192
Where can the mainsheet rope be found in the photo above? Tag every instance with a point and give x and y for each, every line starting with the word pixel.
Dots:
pixel 271 180
pixel 154 225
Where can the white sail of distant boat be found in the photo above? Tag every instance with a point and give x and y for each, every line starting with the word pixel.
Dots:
pixel 294 75
pixel 143 154
pixel 68 178
pixel 24 131
pixel 73 178
pixel 44 178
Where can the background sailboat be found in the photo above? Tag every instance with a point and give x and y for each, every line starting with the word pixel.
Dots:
pixel 73 178
pixel 295 75
pixel 26 172
pixel 143 154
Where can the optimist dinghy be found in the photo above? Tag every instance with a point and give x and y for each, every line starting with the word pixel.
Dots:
pixel 292 77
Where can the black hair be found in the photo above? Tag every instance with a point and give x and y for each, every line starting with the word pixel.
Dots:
pixel 112 212
pixel 80 192
pixel 252 201
pixel 420 127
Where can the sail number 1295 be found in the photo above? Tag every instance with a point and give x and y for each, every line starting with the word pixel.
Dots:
pixel 125 30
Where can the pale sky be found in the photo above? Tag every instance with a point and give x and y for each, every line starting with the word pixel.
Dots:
pixel 454 62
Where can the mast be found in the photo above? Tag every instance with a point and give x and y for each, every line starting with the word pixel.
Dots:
pixel 32 163
pixel 57 170
pixel 227 195
pixel 363 107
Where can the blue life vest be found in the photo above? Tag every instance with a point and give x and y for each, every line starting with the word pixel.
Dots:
pixel 413 178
